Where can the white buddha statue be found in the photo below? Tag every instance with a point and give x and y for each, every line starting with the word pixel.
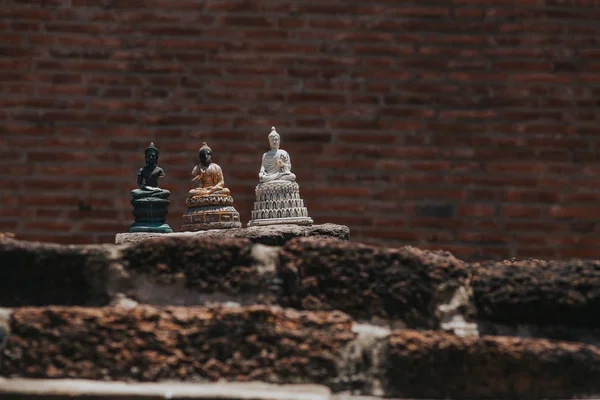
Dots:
pixel 276 163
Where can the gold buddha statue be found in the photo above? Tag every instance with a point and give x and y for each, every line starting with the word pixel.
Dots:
pixel 207 176
pixel 209 205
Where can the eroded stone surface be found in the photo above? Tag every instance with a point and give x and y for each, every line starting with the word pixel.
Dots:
pixel 176 271
pixel 274 235
pixel 191 344
pixel 192 271
pixel 284 346
pixel 538 292
pixel 437 365
pixel 209 264
pixel 58 389
pixel 367 281
pixel 41 274
pixel 394 287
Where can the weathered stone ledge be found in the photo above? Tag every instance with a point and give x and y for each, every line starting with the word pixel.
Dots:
pixel 433 365
pixel 537 292
pixel 274 345
pixel 191 344
pixel 273 235
pixel 59 389
pixel 406 286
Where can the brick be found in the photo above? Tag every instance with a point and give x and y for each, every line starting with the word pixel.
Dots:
pixel 65 79
pixel 532 66
pixel 423 179
pixel 149 17
pixel 581 197
pixel 55 184
pixel 536 227
pixel 109 214
pixel 521 211
pixel 584 213
pixel 430 166
pixel 340 192
pixel 291 23
pixel 337 23
pixel 467 13
pixel 477 210
pixel 47 200
pixel 366 37
pixel 403 112
pixel 188 43
pixel 332 61
pixel 387 50
pixel 245 21
pixel 172 31
pixel 421 12
pixel 460 39
pixel 542 78
pixel 393 235
pixel 49 226
pixel 484 238
pixel 328 9
pixel 104 227
pixel 232 6
pixel 17 52
pixel 9 225
pixel 448 51
pixel 27 13
pixel 317 97
pixel 57 238
pixel 535 196
pixel 515 168
pixel 592 253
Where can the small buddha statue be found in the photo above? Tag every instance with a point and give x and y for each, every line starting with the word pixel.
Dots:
pixel 278 198
pixel 209 204
pixel 150 203
pixel 147 177
pixel 208 176
pixel 276 163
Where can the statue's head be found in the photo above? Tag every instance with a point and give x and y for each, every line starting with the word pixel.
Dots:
pixel 205 154
pixel 274 139
pixel 151 155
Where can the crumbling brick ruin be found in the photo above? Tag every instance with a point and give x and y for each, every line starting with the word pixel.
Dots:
pixel 353 319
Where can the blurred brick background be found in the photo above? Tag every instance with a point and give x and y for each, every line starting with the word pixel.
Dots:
pixel 466 125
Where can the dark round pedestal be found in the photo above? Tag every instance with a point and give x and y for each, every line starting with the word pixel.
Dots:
pixel 150 215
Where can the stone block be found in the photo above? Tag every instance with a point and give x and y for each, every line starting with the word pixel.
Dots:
pixel 274 235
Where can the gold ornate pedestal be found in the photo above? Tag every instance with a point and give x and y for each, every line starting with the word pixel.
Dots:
pixel 210 212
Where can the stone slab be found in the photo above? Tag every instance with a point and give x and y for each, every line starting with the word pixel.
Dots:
pixel 272 235
pixel 367 281
pixel 548 293
pixel 195 344
pixel 33 273
pixel 557 299
pixel 283 346
pixel 58 389
pixel 281 221
pixel 427 364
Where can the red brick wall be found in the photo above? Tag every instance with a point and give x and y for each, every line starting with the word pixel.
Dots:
pixel 467 125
